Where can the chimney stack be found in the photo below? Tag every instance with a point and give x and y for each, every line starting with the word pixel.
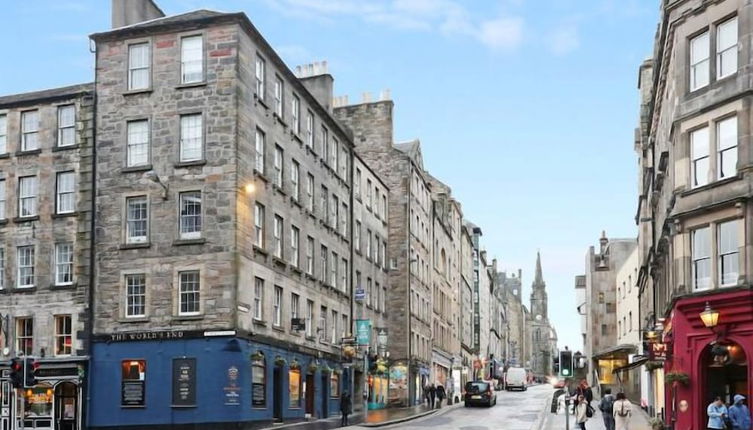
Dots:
pixel 129 12
pixel 316 78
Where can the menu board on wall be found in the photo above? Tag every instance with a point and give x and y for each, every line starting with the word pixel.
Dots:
pixel 133 383
pixel 184 382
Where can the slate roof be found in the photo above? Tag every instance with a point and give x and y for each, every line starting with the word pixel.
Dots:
pixel 167 21
pixel 46 95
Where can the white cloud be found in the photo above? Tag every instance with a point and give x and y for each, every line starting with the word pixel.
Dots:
pixel 564 39
pixel 445 16
pixel 502 33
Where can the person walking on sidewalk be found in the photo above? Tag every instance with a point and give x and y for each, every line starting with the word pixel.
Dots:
pixel 432 395
pixel 427 388
pixel 581 412
pixel 622 410
pixel 441 394
pixel 716 412
pixel 345 408
pixel 606 407
pixel 739 414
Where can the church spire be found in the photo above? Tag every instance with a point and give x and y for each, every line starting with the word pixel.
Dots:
pixel 539 279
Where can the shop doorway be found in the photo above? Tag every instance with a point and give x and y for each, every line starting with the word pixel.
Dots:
pixel 66 406
pixel 277 394
pixel 310 394
pixel 726 372
pixel 325 395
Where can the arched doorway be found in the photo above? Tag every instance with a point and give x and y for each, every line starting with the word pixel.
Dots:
pixel 725 365
pixel 66 406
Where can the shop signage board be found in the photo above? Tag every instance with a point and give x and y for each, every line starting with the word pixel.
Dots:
pixel 184 382
pixel 232 390
pixel 363 332
pixel 133 385
pixel 360 294
pixel 132 393
pixel 657 351
pixel 298 324
pixel 382 337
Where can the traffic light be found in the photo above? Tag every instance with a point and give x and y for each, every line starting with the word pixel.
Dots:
pixel 556 365
pixel 30 365
pixel 16 373
pixel 566 364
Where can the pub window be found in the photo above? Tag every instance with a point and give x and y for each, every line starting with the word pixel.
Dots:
pixel 294 387
pixel 133 380
pixel 63 335
pixel 334 385
pixel 259 382
pixel 24 336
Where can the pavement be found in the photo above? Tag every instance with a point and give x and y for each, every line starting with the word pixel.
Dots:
pixel 638 421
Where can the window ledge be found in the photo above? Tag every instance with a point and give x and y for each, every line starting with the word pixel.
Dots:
pixel 29 152
pixel 261 176
pixel 310 276
pixel 180 164
pixel 296 269
pixel 22 290
pixel 279 261
pixel 3 221
pixel 142 168
pixel 295 136
pixel 23 219
pixel 5 155
pixel 187 317
pixel 261 251
pixel 279 119
pixel 65 215
pixel 197 241
pixel 260 323
pixel 134 245
pixel 261 101
pixel 711 185
pixel 71 286
pixel 279 328
pixel 295 201
pixel 139 91
pixel 191 85
pixel 127 320
pixel 64 148
pixel 311 338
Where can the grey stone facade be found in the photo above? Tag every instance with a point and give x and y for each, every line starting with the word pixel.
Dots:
pixel 51 223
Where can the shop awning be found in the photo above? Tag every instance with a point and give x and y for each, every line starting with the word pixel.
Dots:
pixel 637 363
pixel 618 351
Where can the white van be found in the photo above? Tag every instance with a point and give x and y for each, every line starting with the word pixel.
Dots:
pixel 516 377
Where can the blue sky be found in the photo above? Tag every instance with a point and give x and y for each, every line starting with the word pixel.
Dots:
pixel 526 108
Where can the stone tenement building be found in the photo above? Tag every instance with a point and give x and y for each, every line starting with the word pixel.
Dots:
pixel 46 150
pixel 224 228
pixel 601 348
pixel 467 351
pixel 694 212
pixel 409 243
pixel 517 352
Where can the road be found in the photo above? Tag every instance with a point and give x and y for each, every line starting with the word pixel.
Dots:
pixel 514 411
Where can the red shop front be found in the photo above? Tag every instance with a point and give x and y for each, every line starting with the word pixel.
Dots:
pixel 707 361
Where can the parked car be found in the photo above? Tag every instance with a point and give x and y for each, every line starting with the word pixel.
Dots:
pixel 517 378
pixel 479 393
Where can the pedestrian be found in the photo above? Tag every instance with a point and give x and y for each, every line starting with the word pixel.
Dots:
pixel 716 412
pixel 432 395
pixel 739 414
pixel 427 388
pixel 583 390
pixel 622 412
pixel 441 394
pixel 606 407
pixel 345 408
pixel 581 412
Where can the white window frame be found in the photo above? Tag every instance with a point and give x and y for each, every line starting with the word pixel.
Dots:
pixel 295 302
pixel 191 297
pixel 65 192
pixel 260 147
pixel 258 299
pixel 278 236
pixel 191 137
pixel 343 274
pixel 697 256
pixel 191 59
pixel 24 335
pixel 279 97
pixel 135 295
pixel 2 268
pixel 30 130
pixel 28 189
pixel 357 185
pixel 277 307
pixel 66 126
pixel 699 63
pixel 310 255
pixel 310 192
pixel 138 143
pixel 699 156
pixel 61 335
pixel 295 112
pixel 334 154
pixel 259 225
pixel 25 262
pixel 728 250
pixel 279 159
pixel 726 148
pixel 309 318
pixel 190 224
pixel 726 54
pixel 295 179
pixel 295 254
pixel 310 129
pixel 333 271
pixel 64 263
pixel 132 222
pixel 137 66
pixel 261 75
pixel 357 236
pixel 335 321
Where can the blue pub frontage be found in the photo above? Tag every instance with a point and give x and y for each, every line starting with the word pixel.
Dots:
pixel 208 380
